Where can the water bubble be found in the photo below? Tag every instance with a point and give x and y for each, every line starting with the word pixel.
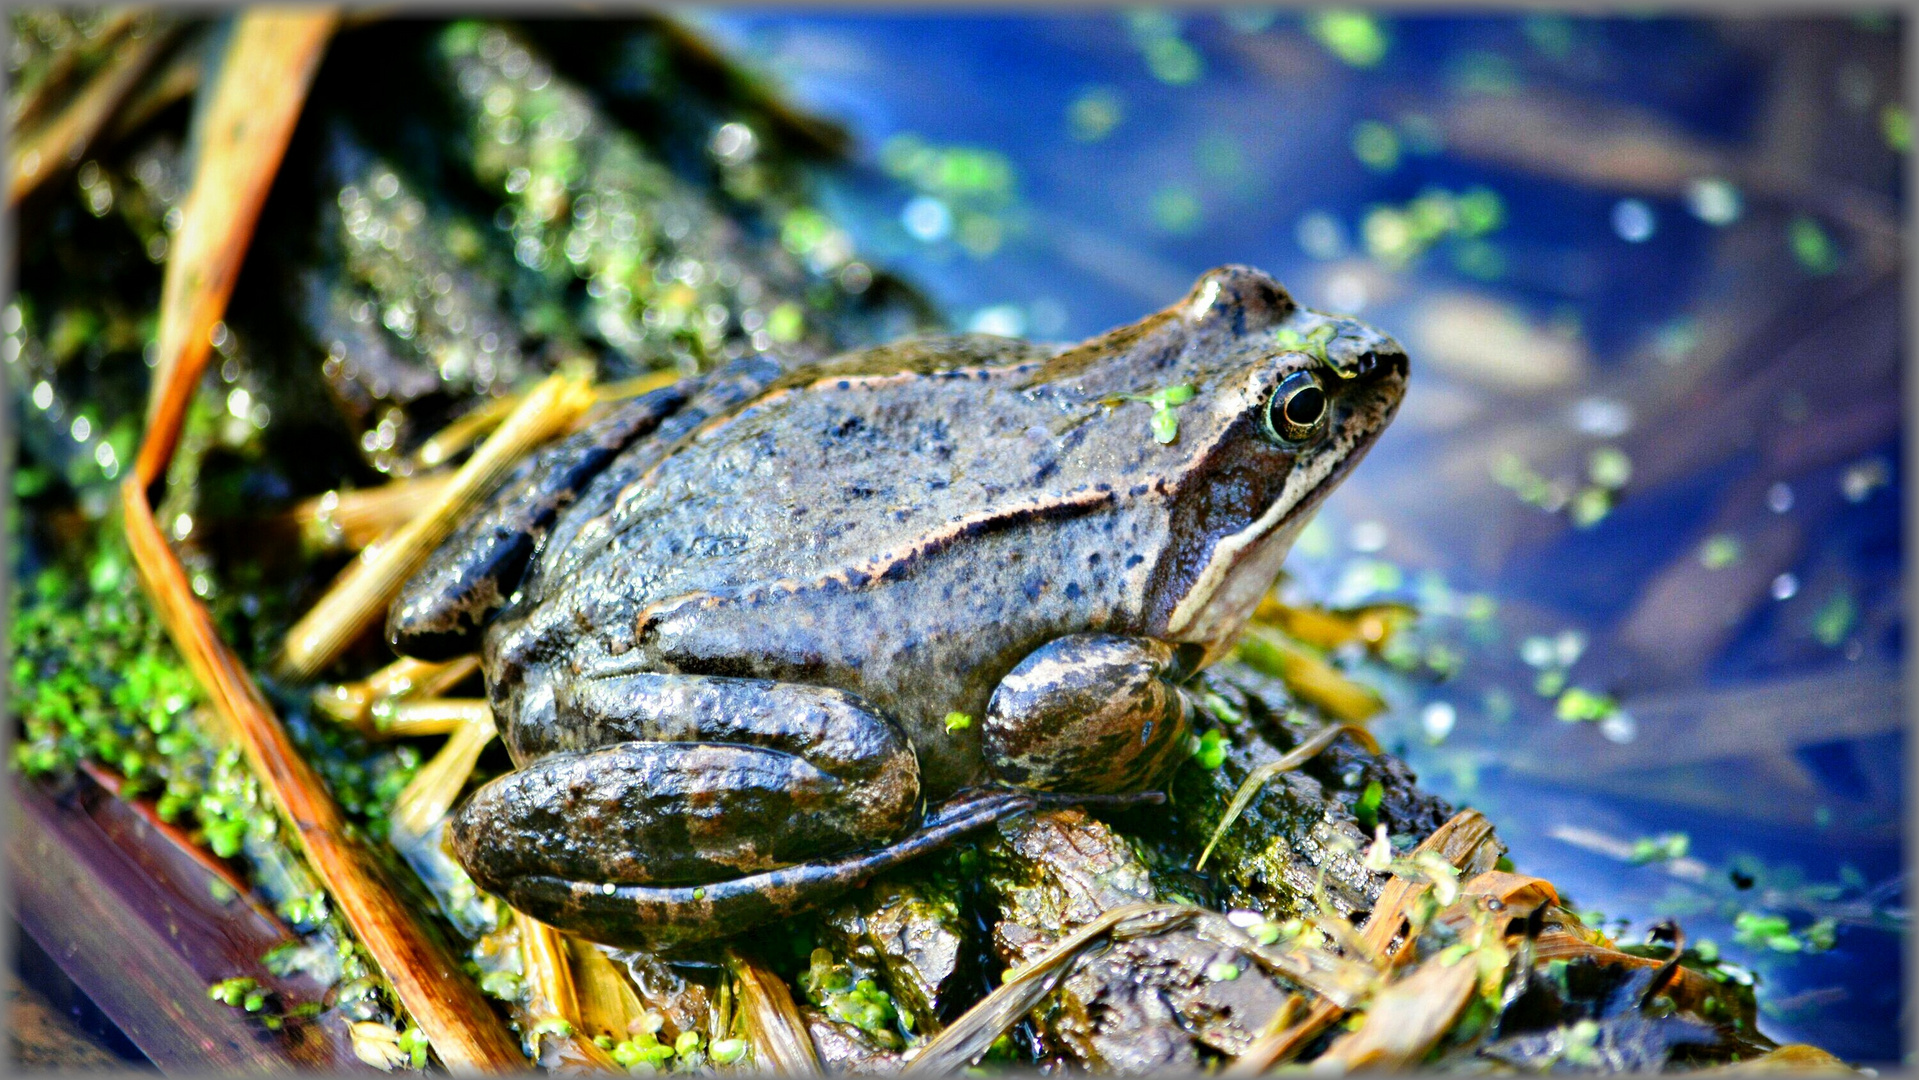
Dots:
pixel 1095 113
pixel 855 278
pixel 1376 145
pixel 734 144
pixel 1321 235
pixel 1779 497
pixel 1714 201
pixel 1619 727
pixel 1438 719
pixel 1633 220
pixel 1785 587
pixel 1601 417
pixel 1568 646
pixel 927 219
pixel 1863 478
pixel 1368 536
pixel 82 429
pixel 515 63
pixel 1006 320
pixel 42 395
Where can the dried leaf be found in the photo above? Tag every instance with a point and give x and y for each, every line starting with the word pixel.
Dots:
pixel 1406 1019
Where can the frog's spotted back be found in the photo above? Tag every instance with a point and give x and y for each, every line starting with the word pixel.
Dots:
pixel 903 527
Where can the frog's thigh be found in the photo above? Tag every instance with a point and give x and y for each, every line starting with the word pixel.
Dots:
pixel 1087 713
pixel 674 779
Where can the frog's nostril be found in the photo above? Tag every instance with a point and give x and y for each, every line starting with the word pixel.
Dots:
pixel 1379 363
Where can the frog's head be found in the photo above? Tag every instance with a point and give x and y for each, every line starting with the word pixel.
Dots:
pixel 1285 402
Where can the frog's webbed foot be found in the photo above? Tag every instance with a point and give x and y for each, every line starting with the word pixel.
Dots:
pixel 679 915
pixel 1105 800
pixel 1089 713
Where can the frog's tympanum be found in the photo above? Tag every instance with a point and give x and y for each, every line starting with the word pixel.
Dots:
pixel 754 637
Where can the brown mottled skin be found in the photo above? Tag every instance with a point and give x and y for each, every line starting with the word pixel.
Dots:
pixel 727 674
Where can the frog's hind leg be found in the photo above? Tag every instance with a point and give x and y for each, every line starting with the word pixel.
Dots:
pixel 441 610
pixel 673 916
pixel 656 779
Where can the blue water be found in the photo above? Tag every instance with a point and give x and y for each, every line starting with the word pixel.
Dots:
pixel 1732 334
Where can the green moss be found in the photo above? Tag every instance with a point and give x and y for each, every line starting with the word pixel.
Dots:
pixel 847 994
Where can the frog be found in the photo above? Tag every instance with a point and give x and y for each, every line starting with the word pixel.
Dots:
pixel 755 637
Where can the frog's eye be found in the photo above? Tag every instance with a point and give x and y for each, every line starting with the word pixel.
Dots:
pixel 1298 408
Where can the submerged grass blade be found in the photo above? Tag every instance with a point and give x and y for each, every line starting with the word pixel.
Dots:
pixel 353 703
pixel 435 716
pixel 608 1004
pixel 1313 679
pixel 360 595
pixel 353 520
pixel 445 444
pixel 428 797
pixel 1297 756
pixel 549 974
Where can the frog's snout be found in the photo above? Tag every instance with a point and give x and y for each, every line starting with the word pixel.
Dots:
pixel 1362 353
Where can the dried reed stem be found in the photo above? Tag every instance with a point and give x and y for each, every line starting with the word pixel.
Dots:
pixel 457 1020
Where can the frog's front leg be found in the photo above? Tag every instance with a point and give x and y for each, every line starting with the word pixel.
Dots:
pixel 1089 713
pixel 651 797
